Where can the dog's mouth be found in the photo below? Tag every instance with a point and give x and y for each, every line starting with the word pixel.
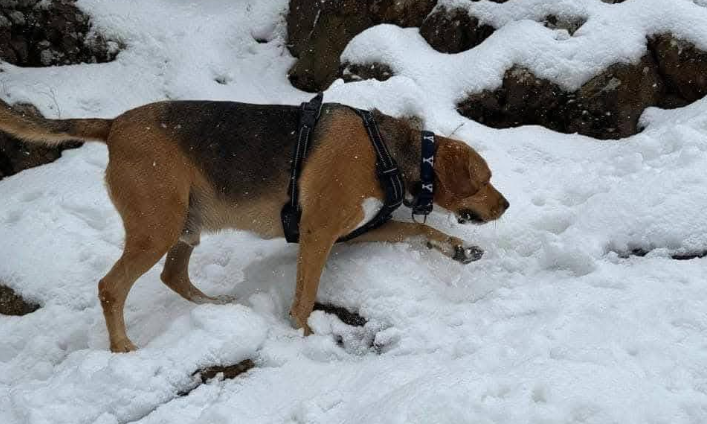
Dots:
pixel 467 216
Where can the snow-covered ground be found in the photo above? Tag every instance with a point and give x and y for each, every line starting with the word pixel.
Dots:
pixel 551 326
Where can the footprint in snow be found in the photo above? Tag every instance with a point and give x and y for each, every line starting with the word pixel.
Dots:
pixel 93 217
pixel 31 196
pixel 13 217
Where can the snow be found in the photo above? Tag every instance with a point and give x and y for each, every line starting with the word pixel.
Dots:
pixel 613 33
pixel 552 325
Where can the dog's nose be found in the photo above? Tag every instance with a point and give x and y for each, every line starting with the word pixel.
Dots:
pixel 505 204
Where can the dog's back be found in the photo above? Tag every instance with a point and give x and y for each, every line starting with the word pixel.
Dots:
pixel 243 149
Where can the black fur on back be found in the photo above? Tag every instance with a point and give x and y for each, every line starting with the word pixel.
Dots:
pixel 243 148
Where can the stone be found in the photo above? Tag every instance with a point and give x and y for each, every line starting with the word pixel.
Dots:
pixel 610 104
pixel 523 99
pixel 359 72
pixel 454 31
pixel 403 13
pixel 17 18
pixel 568 23
pixel 318 31
pixel 606 107
pixel 42 33
pixel 682 66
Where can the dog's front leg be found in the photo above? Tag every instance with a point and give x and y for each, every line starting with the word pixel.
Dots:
pixel 396 232
pixel 314 247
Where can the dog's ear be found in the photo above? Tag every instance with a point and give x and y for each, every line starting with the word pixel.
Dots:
pixel 453 169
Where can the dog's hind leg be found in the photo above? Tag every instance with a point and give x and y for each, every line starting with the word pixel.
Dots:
pixel 140 254
pixel 176 273
pixel 153 207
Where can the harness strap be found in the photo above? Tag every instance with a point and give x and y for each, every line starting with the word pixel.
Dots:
pixel 386 168
pixel 388 174
pixel 291 212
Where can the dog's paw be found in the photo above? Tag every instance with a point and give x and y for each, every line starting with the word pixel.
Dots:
pixel 300 319
pixel 123 346
pixel 467 254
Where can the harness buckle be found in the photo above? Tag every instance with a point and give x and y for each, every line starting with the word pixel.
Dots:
pixel 310 111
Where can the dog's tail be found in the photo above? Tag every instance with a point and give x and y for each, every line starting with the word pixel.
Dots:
pixel 52 132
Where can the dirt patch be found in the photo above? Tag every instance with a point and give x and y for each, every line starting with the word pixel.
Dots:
pixel 640 252
pixel 227 372
pixel 346 316
pixel 223 372
pixel 13 304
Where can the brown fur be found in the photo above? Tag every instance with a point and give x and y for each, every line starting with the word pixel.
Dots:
pixel 52 132
pixel 167 191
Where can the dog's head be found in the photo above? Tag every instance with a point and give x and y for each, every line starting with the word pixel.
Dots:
pixel 463 181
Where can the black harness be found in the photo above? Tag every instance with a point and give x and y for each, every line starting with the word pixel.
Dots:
pixel 386 168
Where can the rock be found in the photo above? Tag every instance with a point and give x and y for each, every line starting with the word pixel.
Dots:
pixel 358 72
pixel 16 155
pixel 403 13
pixel 682 66
pixel 319 30
pixel 610 104
pixel 17 18
pixel 20 48
pixel 569 23
pixel 13 304
pixel 606 107
pixel 346 316
pixel 454 31
pixel 523 99
pixel 40 33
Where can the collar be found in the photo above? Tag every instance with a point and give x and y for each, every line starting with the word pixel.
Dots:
pixel 422 203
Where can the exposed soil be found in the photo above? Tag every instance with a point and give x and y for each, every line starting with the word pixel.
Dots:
pixel 12 303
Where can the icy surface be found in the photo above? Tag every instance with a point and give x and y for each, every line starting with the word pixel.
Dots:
pixel 551 326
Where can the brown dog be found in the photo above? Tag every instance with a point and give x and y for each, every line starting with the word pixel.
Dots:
pixel 179 168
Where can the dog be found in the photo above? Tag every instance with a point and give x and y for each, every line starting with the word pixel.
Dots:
pixel 179 168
